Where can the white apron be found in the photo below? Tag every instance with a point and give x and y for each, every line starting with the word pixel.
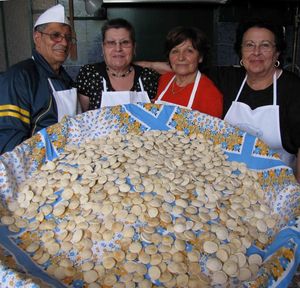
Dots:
pixel 262 122
pixel 66 101
pixel 113 98
pixel 192 96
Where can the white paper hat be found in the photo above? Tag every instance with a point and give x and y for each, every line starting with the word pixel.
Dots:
pixel 55 14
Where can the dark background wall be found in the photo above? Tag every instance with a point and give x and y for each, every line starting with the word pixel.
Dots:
pixel 283 12
pixel 152 23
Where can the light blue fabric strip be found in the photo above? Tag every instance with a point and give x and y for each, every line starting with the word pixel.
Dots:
pixel 155 123
pixel 282 239
pixel 24 259
pixel 50 150
pixel 253 162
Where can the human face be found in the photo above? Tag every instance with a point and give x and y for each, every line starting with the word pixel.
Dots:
pixel 118 49
pixel 260 60
pixel 184 59
pixel 54 52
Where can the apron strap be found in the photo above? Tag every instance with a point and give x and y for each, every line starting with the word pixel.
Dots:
pixel 193 94
pixel 141 84
pixel 51 85
pixel 241 88
pixel 166 89
pixel 274 89
pixel 104 84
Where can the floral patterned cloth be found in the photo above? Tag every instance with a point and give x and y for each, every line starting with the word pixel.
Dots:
pixel 281 257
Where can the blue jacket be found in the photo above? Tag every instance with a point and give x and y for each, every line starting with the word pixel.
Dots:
pixel 26 101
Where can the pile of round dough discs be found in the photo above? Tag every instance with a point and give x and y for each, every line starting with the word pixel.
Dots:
pixel 158 209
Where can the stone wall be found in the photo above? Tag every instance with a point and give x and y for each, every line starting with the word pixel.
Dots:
pixel 16 32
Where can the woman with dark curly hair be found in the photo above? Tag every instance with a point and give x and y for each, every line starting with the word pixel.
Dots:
pixel 186 86
pixel 260 97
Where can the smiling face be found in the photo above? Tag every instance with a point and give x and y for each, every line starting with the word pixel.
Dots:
pixel 118 49
pixel 260 60
pixel 184 59
pixel 54 52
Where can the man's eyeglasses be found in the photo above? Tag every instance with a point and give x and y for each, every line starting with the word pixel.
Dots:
pixel 113 44
pixel 265 46
pixel 58 37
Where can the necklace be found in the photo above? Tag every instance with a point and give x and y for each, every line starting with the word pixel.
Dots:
pixel 119 75
pixel 173 88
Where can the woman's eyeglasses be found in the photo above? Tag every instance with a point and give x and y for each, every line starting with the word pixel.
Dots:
pixel 113 44
pixel 58 37
pixel 265 46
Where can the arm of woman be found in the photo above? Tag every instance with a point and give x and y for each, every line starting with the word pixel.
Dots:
pixel 297 174
pixel 159 67
pixel 84 102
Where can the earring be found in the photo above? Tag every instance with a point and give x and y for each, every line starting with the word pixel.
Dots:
pixel 277 63
pixel 241 62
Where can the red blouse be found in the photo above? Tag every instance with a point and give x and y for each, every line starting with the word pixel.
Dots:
pixel 208 98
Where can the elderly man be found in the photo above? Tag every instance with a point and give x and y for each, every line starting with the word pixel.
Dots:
pixel 37 92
